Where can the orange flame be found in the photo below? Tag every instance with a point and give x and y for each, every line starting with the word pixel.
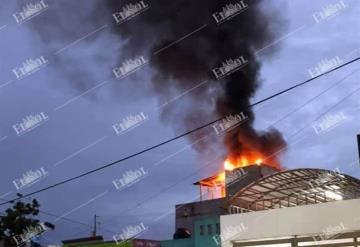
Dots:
pixel 233 162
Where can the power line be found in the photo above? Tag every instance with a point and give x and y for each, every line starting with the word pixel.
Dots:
pixel 316 96
pixel 276 122
pixel 66 219
pixel 74 221
pixel 181 135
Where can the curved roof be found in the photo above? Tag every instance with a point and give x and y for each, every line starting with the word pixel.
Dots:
pixel 296 187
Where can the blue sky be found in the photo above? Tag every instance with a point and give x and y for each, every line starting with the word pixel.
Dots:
pixel 78 135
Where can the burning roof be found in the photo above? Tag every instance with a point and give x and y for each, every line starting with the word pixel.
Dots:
pixel 217 185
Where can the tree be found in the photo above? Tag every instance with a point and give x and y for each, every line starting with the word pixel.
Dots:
pixel 19 220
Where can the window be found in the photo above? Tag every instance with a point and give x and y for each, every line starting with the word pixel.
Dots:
pixel 202 230
pixel 210 232
pixel 217 228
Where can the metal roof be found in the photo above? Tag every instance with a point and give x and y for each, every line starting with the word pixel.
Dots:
pixel 212 181
pixel 293 188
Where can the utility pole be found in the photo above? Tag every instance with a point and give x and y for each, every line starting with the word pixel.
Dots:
pixel 95 222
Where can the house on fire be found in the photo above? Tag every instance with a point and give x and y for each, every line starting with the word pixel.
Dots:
pixel 259 205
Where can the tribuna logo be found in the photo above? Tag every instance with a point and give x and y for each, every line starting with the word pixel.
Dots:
pixel 130 11
pixel 235 176
pixel 324 66
pixel 229 66
pixel 129 122
pixel 229 11
pixel 30 122
pixel 129 66
pixel 229 122
pixel 329 11
pixel 328 122
pixel 29 233
pixel 130 232
pixel 230 232
pixel 30 10
pixel 30 178
pixel 29 66
pixel 130 177
pixel 330 232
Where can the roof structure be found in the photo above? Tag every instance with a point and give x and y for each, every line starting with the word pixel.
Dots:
pixel 212 181
pixel 293 188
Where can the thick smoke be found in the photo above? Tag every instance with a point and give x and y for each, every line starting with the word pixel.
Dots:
pixel 183 53
pixel 184 43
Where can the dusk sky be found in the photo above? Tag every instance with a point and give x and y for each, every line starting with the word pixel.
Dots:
pixel 77 91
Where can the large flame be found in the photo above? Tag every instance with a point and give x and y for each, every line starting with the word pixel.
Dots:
pixel 235 162
pixel 218 183
pixel 232 163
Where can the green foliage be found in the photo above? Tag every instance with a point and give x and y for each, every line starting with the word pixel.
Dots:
pixel 17 219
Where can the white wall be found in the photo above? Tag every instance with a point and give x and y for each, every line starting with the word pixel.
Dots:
pixel 325 218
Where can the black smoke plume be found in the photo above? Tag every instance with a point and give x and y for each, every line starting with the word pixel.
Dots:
pixel 186 44
pixel 183 43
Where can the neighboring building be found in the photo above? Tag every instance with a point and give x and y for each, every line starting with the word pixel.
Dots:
pixel 189 213
pixel 326 224
pixel 301 207
pixel 206 234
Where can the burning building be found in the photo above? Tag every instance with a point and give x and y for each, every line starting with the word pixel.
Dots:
pixel 215 192
pixel 261 205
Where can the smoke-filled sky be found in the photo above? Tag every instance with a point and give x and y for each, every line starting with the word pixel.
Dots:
pixel 82 100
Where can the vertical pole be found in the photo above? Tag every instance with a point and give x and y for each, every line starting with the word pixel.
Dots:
pixel 223 190
pixel 358 143
pixel 94 232
pixel 294 242
pixel 200 193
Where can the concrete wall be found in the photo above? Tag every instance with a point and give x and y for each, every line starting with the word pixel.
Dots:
pixel 187 214
pixel 324 218
pixel 207 240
